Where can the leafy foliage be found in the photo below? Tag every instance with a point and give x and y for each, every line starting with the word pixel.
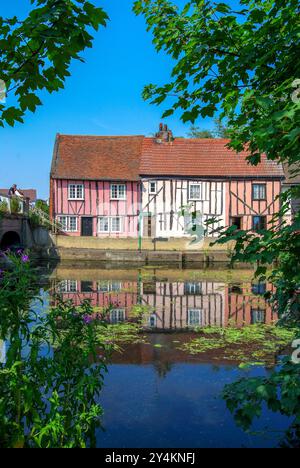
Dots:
pixel 43 206
pixel 280 391
pixel 36 53
pixel 52 375
pixel 197 132
pixel 220 131
pixel 39 215
pixel 3 206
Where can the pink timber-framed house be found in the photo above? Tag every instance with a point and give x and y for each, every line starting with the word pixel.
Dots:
pixel 126 186
pixel 94 185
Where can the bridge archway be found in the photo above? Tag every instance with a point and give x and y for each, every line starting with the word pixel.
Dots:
pixel 10 239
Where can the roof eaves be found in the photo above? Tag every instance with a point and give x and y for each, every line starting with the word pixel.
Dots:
pixel 222 177
pixel 55 155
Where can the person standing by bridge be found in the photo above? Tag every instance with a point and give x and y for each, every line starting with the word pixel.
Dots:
pixel 14 191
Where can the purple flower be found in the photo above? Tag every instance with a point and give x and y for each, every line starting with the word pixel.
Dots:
pixel 19 251
pixel 87 319
pixel 25 258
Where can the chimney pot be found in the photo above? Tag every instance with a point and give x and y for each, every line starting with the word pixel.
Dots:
pixel 164 134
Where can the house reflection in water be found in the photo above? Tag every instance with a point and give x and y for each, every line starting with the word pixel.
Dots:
pixel 174 305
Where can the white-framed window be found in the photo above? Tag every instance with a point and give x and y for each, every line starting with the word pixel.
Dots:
pixel 118 192
pixel 258 316
pixel 68 223
pixel 195 192
pixel 152 187
pixel 116 224
pixel 103 224
pixel 68 286
pixel 110 224
pixel 117 315
pixel 192 287
pixel 75 192
pixel 152 321
pixel 109 286
pixel 259 192
pixel 194 317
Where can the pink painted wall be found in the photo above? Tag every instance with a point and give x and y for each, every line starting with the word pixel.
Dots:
pixel 239 200
pixel 126 298
pixel 96 203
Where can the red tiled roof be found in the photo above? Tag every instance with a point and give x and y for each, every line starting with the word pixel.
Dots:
pixel 97 157
pixel 201 157
pixel 128 157
pixel 28 193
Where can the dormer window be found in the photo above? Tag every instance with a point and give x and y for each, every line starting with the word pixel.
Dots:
pixel 75 192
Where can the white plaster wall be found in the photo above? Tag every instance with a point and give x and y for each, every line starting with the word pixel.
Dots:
pixel 172 195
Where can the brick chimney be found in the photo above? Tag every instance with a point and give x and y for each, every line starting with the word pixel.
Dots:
pixel 164 135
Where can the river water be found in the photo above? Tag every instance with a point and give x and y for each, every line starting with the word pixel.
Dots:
pixel 155 394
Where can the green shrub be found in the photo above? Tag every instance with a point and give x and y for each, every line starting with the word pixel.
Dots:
pixel 15 205
pixel 35 220
pixel 42 205
pixel 3 206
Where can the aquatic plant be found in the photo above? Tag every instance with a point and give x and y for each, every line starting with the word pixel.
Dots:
pixel 121 333
pixel 253 343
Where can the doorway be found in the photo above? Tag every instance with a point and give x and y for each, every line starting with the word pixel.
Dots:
pixel 87 226
pixel 149 226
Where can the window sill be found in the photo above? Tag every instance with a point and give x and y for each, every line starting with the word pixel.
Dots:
pixel 76 199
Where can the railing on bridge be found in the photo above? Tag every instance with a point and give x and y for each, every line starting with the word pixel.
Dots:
pixel 17 205
pixel 54 225
pixel 14 205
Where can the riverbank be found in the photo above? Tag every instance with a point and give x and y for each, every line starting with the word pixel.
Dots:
pixel 170 251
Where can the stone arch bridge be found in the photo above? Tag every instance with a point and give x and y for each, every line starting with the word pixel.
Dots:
pixel 15 231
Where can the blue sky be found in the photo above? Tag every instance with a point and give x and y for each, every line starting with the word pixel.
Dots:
pixel 102 97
